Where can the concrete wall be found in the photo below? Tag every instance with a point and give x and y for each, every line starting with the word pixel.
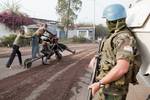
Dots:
pixel 86 33
pixel 72 33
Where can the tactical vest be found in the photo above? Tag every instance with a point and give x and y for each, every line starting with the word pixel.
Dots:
pixel 108 61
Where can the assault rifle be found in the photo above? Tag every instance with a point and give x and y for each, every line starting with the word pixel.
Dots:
pixel 95 71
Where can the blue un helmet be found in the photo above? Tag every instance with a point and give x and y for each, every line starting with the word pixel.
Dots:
pixel 115 15
pixel 114 12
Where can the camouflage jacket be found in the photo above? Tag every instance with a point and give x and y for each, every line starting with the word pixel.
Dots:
pixel 119 45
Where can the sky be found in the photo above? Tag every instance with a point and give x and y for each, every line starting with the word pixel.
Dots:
pixel 46 9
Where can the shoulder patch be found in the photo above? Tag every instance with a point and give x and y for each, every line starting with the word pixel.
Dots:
pixel 128 48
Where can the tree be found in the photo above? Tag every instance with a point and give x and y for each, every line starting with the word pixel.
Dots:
pixel 67 10
pixel 100 31
pixel 10 5
pixel 12 17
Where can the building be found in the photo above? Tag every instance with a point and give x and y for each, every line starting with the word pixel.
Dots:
pixel 86 32
pixel 53 27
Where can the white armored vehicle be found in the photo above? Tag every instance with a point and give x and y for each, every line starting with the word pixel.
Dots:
pixel 139 20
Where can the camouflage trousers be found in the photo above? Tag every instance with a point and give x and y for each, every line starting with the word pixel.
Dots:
pixel 101 96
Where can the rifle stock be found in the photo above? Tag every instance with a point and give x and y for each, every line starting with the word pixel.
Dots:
pixel 93 77
pixel 94 72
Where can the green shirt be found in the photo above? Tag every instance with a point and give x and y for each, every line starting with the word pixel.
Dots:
pixel 19 38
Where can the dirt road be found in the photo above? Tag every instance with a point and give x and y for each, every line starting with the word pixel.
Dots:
pixel 67 79
pixel 48 82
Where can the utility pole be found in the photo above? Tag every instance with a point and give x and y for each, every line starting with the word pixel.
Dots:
pixel 94 22
pixel 68 18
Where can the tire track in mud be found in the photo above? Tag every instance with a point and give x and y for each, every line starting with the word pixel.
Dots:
pixel 21 85
pixel 18 77
pixel 60 88
pixel 36 92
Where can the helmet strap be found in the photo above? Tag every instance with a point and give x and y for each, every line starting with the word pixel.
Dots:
pixel 120 25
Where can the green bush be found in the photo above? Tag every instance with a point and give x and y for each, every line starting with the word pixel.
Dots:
pixel 7 40
pixel 79 39
pixel 75 39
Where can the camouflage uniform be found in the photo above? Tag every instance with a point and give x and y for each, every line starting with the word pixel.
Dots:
pixel 119 45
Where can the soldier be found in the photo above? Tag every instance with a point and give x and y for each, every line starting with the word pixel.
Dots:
pixel 117 56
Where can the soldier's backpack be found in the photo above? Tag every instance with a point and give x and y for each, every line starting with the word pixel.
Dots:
pixel 137 62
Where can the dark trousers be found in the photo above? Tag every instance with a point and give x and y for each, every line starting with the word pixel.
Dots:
pixel 13 54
